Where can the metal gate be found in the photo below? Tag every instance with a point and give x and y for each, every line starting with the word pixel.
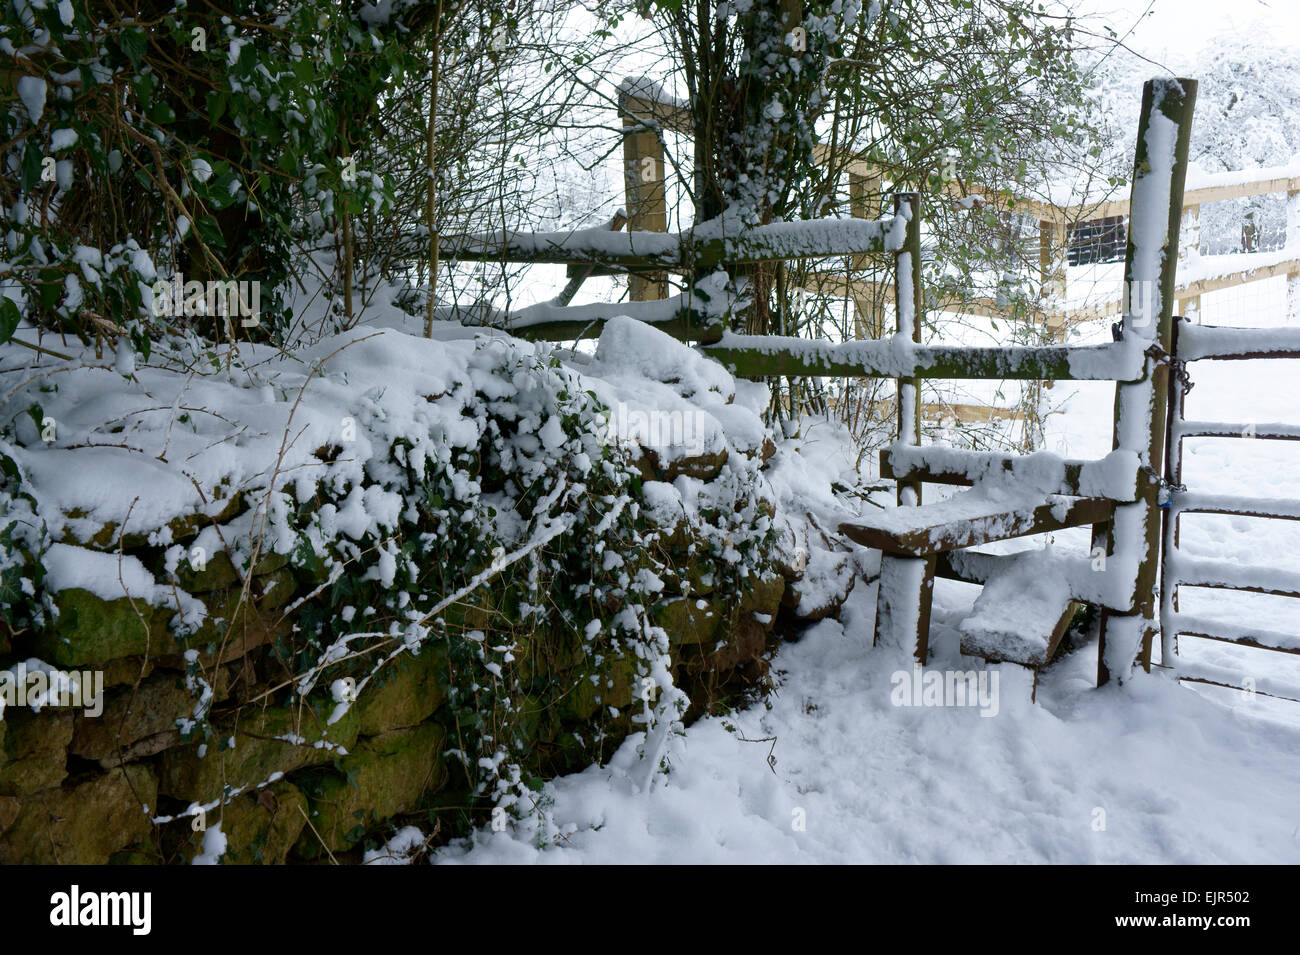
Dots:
pixel 1211 343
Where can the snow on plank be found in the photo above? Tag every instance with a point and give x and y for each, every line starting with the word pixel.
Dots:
pixel 1233 679
pixel 1114 476
pixel 1196 342
pixel 1274 431
pixel 968 519
pixel 696 314
pixel 1021 614
pixel 1226 632
pixel 1193 503
pixel 705 246
pixel 899 357
pixel 1229 575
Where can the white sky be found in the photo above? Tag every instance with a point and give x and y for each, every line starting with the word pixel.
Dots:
pixel 1175 29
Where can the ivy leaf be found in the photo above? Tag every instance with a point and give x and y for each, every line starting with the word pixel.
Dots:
pixel 218 100
pixel 9 319
pixel 162 114
pixel 32 159
pixel 134 44
pixel 207 228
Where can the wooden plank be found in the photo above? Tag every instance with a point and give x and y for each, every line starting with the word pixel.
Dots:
pixel 1228 575
pixel 965 414
pixel 687 251
pixel 1233 279
pixel 688 326
pixel 909 318
pixel 1012 645
pixel 578 274
pixel 1265 685
pixel 1283 509
pixel 1223 429
pixel 1076 480
pixel 1261 639
pixel 943 534
pixel 679 120
pixel 765 356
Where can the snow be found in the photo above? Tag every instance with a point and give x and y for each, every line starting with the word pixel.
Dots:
pixel 1014 614
pixel 214 846
pixel 814 237
pixel 899 357
pixel 651 90
pixel 871 782
pixel 31 90
pixel 1164 767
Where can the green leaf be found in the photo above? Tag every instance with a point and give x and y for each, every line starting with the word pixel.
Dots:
pixel 31 160
pixel 9 319
pixel 162 114
pixel 211 233
pixel 146 84
pixel 134 44
pixel 218 100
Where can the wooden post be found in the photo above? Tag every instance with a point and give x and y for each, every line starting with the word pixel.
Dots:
pixel 1189 250
pixel 903 600
pixel 908 316
pixel 1173 470
pixel 1053 256
pixel 431 161
pixel 1293 242
pixel 869 307
pixel 643 180
pixel 1141 407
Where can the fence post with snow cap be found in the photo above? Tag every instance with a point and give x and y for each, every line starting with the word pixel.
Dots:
pixel 1133 541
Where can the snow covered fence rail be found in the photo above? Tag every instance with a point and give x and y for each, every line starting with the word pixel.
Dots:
pixel 899 357
pixel 706 246
pixel 1196 342
pixel 696 314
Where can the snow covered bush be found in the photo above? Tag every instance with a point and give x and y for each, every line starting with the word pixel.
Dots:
pixel 201 143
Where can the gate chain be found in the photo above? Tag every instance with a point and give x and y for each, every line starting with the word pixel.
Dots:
pixel 1177 366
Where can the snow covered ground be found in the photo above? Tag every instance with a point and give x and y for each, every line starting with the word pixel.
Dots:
pixel 833 770
pixel 1149 773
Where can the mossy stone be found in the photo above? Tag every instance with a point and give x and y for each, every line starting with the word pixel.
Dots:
pixel 688 621
pixel 219 572
pixel 260 827
pixel 611 684
pixel 259 752
pixel 386 776
pixel 406 692
pixel 763 595
pixel 142 721
pixel 139 854
pixel 36 750
pixel 83 824
pixel 91 631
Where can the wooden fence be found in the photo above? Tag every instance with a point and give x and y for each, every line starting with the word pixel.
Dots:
pixel 1125 519
pixel 645 120
pixel 645 166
